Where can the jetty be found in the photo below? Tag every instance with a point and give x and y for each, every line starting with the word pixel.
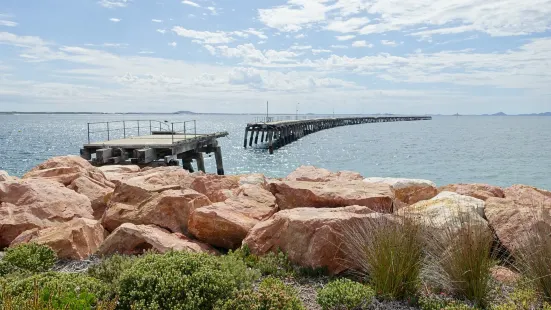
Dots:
pixel 151 143
pixel 277 133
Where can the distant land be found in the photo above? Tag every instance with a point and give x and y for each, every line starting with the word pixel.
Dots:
pixel 195 113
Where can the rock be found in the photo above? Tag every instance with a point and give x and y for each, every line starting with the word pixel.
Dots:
pixel 504 275
pixel 37 203
pixel 135 239
pixel 4 176
pixel 299 194
pixel 408 191
pixel 226 224
pixel 447 212
pixel 480 191
pixel 161 178
pixel 313 174
pixel 66 169
pixel 118 173
pixel 168 209
pixel 97 192
pixel 310 237
pixel 217 187
pixel 254 179
pixel 76 239
pixel 524 211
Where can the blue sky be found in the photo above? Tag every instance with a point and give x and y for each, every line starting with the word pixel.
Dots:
pixel 354 56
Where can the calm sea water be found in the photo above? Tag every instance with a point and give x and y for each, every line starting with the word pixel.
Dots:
pixel 496 150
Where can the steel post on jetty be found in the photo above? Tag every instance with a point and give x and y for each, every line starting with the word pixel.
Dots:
pixel 275 134
pixel 151 143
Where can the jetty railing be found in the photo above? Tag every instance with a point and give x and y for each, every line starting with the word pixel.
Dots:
pixel 135 128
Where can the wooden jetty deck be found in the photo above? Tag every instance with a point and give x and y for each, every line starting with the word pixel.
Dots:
pixel 145 142
pixel 275 134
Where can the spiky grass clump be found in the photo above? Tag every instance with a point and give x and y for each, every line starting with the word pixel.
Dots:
pixel 534 258
pixel 388 252
pixel 460 259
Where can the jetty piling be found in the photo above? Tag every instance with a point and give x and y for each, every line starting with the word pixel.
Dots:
pixel 172 144
pixel 280 133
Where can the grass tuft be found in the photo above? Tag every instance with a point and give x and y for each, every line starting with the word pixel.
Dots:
pixel 388 252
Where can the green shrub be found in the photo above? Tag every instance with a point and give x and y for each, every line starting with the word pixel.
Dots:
pixel 389 252
pixel 31 256
pixel 522 298
pixel 427 303
pixel 272 294
pixel 58 290
pixel 534 258
pixel 182 280
pixel 110 269
pixel 274 264
pixel 344 294
pixel 6 268
pixel 460 260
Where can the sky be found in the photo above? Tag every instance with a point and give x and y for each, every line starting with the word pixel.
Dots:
pixel 320 56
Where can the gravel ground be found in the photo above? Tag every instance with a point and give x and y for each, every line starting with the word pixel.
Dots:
pixel 76 265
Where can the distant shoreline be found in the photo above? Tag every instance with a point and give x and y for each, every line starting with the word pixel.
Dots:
pixel 259 114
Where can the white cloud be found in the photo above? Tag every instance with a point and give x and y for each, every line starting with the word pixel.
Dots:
pixel 361 43
pixel 295 15
pixel 339 46
pixel 301 47
pixel 212 10
pixel 389 43
pixel 300 36
pixel 114 3
pixel 173 44
pixel 205 37
pixel 7 23
pixel 319 51
pixel 157 20
pixel 146 52
pixel 252 56
pixel 345 38
pixel 161 31
pixel 349 25
pixel 115 20
pixel 191 3
pixel 257 33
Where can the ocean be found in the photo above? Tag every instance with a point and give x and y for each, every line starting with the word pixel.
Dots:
pixel 498 150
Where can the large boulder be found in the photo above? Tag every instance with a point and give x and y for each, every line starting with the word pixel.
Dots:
pixel 118 173
pixel 160 179
pixel 480 191
pixel 408 191
pixel 334 194
pixel 37 203
pixel 76 239
pixel 447 213
pixel 226 224
pixel 217 187
pixel 135 239
pixel 314 174
pixel 311 237
pixel 66 169
pixel 79 175
pixel 524 211
pixel 169 209
pixel 4 176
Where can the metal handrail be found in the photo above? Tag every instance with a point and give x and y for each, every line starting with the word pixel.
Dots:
pixel 149 124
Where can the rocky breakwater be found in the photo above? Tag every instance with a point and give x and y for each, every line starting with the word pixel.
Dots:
pixel 80 210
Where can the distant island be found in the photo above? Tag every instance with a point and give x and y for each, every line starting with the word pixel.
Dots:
pixel 531 114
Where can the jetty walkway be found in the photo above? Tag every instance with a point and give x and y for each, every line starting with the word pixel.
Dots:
pixel 148 142
pixel 276 134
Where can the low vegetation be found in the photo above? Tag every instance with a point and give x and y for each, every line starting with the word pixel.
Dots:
pixel 344 294
pixel 394 259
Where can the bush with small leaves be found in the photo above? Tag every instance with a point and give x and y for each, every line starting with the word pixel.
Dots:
pixel 6 268
pixel 182 280
pixel 344 294
pixel 272 294
pixel 427 303
pixel 110 269
pixel 274 264
pixel 31 257
pixel 59 290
